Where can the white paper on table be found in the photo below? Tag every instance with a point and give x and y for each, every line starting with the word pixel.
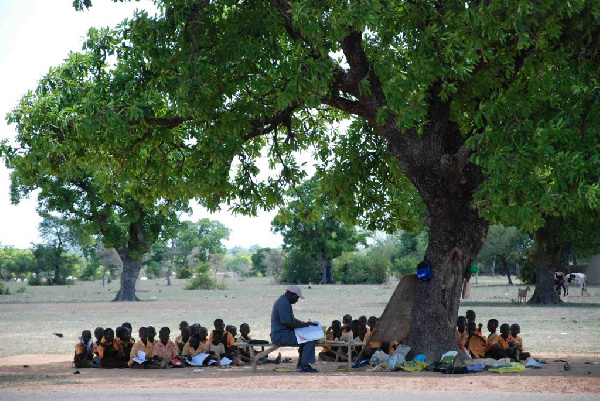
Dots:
pixel 140 358
pixel 198 360
pixel 310 333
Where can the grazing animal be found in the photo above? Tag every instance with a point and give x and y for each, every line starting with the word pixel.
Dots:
pixel 522 295
pixel 561 282
pixel 577 279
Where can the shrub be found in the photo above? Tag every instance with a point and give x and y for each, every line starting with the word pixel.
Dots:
pixel 184 273
pixel 357 268
pixel 21 289
pixel 300 268
pixel 4 289
pixel 200 282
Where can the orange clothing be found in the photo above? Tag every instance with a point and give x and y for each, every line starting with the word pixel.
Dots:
pixel 188 350
pixel 489 340
pixel 517 340
pixel 164 351
pixel 229 338
pixel 477 346
pixel 95 346
pixel 500 340
pixel 80 348
pixel 478 332
pixel 139 346
pixel 116 344
pixel 461 338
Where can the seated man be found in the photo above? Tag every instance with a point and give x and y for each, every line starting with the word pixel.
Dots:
pixel 515 329
pixel 283 324
pixel 501 347
pixel 475 344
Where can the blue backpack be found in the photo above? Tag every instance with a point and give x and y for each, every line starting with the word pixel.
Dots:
pixel 424 271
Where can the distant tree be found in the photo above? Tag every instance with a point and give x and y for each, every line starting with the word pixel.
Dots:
pixel 300 267
pixel 241 264
pixel 196 242
pixel 274 263
pixel 16 262
pixel 504 247
pixel 156 258
pixel 259 261
pixel 308 223
pixel 370 267
pixel 52 254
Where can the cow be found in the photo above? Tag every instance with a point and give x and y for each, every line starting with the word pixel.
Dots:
pixel 560 282
pixel 577 279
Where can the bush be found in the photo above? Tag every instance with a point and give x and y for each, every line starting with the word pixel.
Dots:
pixel 21 289
pixel 200 282
pixel 4 289
pixel 300 268
pixel 184 273
pixel 357 268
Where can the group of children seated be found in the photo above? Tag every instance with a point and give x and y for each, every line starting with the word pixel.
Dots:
pixel 117 349
pixel 507 344
pixel 357 330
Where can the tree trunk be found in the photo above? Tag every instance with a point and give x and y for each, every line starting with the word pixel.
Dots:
pixel 436 162
pixel 129 276
pixel 131 256
pixel 323 266
pixel 507 269
pixel 547 259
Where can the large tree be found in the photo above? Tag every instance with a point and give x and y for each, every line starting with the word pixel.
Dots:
pixel 50 158
pixel 219 81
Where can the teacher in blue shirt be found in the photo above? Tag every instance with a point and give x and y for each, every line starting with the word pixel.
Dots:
pixel 283 324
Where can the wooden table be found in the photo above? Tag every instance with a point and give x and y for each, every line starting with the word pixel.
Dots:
pixel 255 357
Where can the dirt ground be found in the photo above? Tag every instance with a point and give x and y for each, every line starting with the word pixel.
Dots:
pixel 54 372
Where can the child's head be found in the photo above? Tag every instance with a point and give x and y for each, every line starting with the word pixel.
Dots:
pixel 372 322
pixel 219 325
pixel 143 333
pixel 163 335
pixel 362 321
pixel 194 341
pixel 109 334
pixel 99 333
pixel 185 333
pixel 470 315
pixel 336 325
pixel 461 323
pixel 244 329
pixel 86 335
pixel 194 328
pixel 504 330
pixel 128 325
pixel 151 331
pixel 355 327
pixel 347 320
pixel 183 324
pixel 492 325
pixel 231 329
pixel 119 332
pixel 471 327
pixel 515 329
pixel 202 333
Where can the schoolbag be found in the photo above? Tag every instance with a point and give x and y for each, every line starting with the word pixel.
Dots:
pixel 424 271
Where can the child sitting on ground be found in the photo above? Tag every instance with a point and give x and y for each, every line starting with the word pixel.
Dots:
pixel 194 347
pixel 124 337
pixel 110 351
pixel 143 344
pixel 128 325
pixel 501 347
pixel 461 335
pixel 83 351
pixel 164 350
pixel 492 327
pixel 182 338
pixel 98 334
pixel 515 329
pixel 470 315
pixel 224 337
pixel 333 333
pixel 475 344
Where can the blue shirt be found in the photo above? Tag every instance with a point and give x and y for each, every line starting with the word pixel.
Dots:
pixel 282 314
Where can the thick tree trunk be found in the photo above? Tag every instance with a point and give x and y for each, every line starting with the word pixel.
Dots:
pixel 547 259
pixel 436 162
pixel 129 276
pixel 131 256
pixel 326 271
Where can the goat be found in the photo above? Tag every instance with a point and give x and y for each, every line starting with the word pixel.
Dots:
pixel 523 294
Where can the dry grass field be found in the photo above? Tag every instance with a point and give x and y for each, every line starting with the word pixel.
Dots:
pixel 27 320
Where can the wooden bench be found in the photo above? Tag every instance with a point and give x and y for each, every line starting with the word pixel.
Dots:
pixel 255 357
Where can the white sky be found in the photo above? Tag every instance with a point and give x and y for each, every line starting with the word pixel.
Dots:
pixel 38 34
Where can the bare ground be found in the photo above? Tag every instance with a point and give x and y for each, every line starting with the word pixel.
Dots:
pixel 55 372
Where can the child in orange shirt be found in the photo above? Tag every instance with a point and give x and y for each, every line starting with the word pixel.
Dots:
pixel 110 351
pixel 475 344
pixel 515 329
pixel 145 345
pixel 83 351
pixel 461 335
